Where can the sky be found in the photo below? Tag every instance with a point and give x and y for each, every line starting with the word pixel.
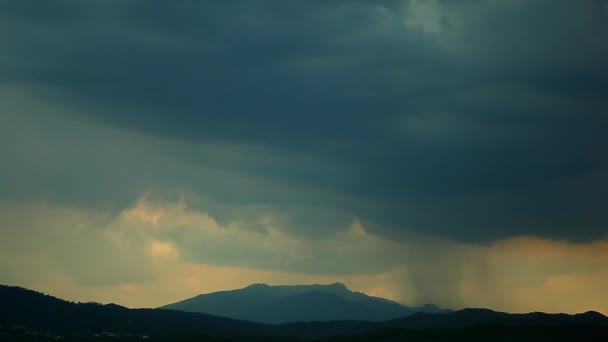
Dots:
pixel 426 151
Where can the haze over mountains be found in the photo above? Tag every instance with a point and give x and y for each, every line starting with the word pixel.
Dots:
pixel 292 303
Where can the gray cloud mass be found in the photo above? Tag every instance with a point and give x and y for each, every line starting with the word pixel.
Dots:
pixel 470 120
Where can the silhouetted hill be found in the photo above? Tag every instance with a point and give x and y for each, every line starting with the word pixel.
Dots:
pixel 292 303
pixel 22 307
pixel 485 317
pixel 27 315
pixel 481 334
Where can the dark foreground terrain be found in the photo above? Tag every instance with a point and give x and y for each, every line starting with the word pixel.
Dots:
pixel 487 333
pixel 27 315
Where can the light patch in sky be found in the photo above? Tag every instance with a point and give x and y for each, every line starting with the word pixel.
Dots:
pixel 163 249
pixel 425 15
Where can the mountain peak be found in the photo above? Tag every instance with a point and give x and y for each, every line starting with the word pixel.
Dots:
pixel 115 306
pixel 277 304
pixel 591 315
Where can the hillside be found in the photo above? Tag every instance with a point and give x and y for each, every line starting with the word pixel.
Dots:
pixel 22 307
pixel 27 315
pixel 283 304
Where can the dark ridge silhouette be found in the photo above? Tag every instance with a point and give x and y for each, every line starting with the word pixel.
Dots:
pixel 22 307
pixel 27 315
pixel 291 303
pixel 481 334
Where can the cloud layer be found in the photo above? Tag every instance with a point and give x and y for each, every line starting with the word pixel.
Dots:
pixel 472 121
pixel 156 252
pixel 317 140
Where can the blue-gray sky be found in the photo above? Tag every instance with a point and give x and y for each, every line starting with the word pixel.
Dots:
pixel 430 124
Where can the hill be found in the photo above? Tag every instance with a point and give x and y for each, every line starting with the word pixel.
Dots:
pixel 27 315
pixel 27 308
pixel 282 304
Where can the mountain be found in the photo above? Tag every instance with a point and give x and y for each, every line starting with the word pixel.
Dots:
pixel 26 308
pixel 487 325
pixel 27 315
pixel 477 317
pixel 291 303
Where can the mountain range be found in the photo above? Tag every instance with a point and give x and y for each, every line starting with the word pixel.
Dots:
pixel 26 315
pixel 293 303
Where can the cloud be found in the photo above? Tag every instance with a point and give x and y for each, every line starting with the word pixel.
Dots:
pixel 157 251
pixel 42 239
pixel 471 122
pixel 436 151
pixel 163 249
pixel 201 239
pixel 121 248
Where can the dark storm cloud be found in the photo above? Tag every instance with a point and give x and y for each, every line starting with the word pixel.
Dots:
pixel 471 120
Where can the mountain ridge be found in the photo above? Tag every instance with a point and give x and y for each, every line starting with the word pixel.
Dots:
pixel 27 310
pixel 284 303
